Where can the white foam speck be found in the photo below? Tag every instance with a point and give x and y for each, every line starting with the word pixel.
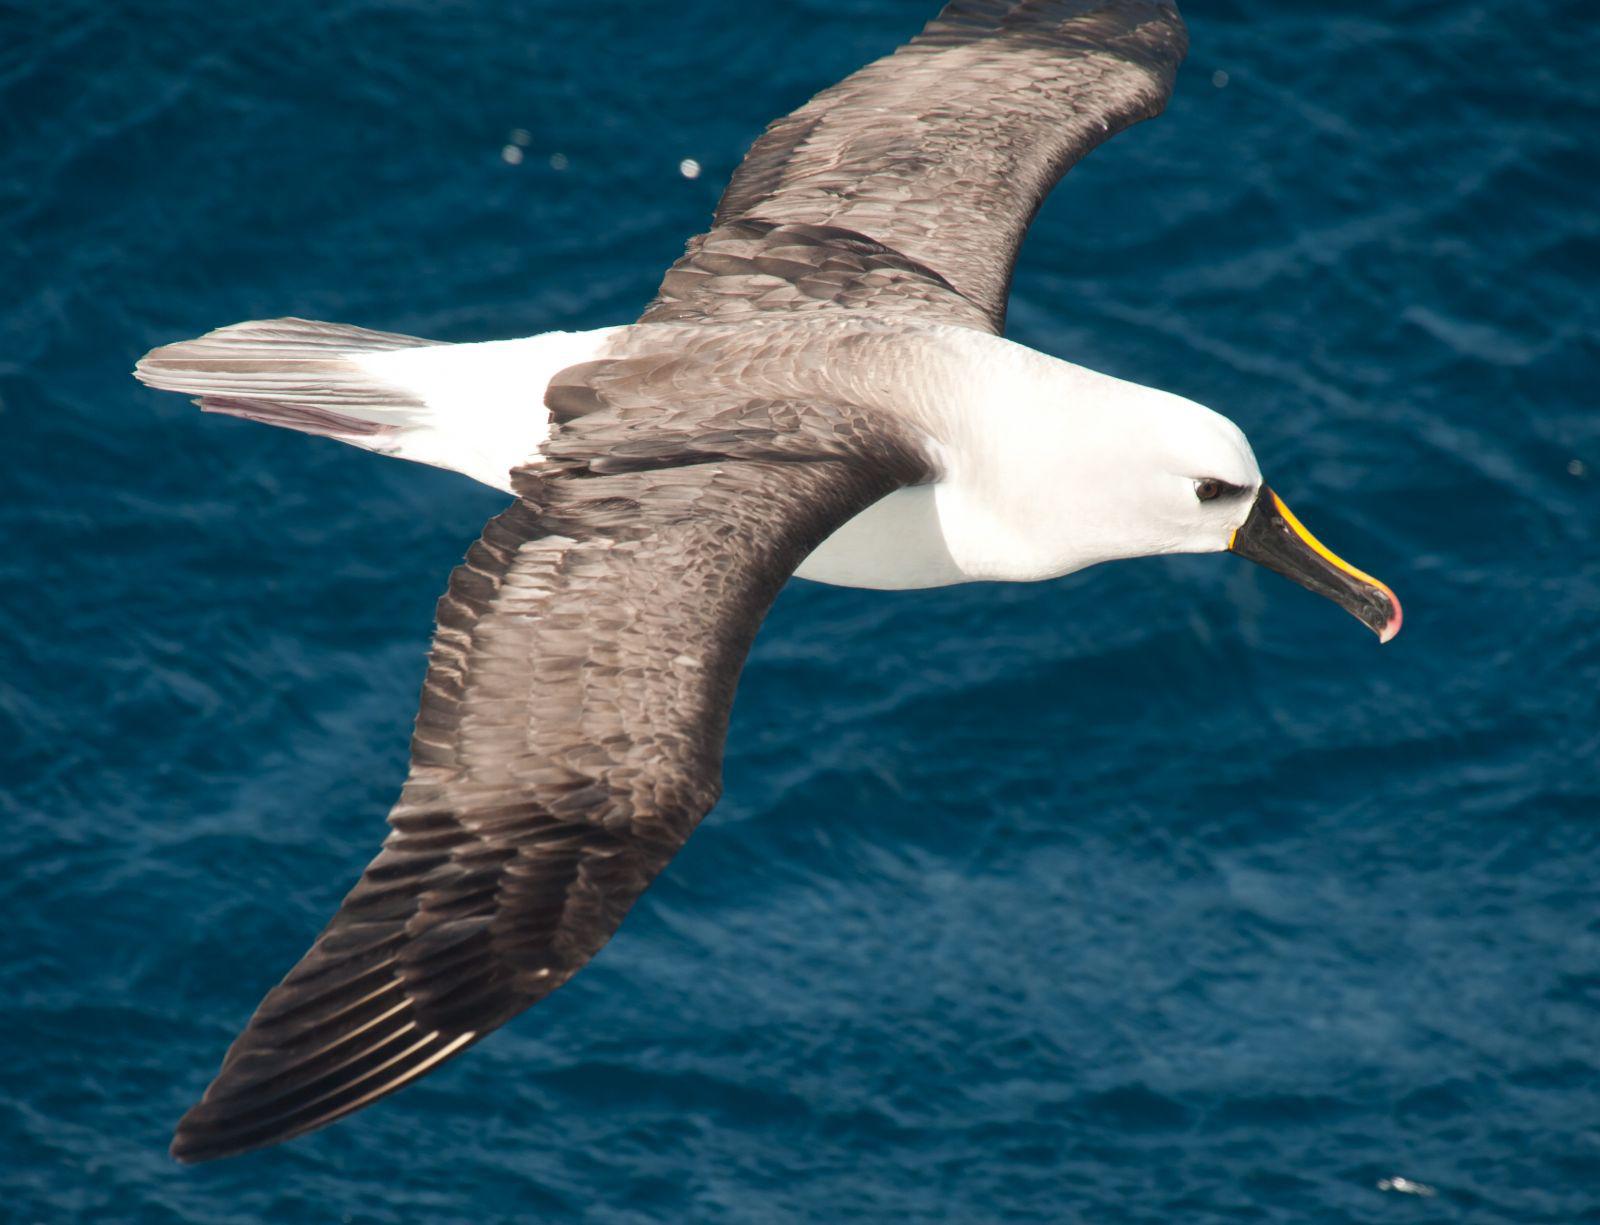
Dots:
pixel 512 155
pixel 689 168
pixel 558 161
pixel 1406 1187
pixel 1219 78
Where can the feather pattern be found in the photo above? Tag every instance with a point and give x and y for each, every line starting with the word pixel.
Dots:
pixel 294 373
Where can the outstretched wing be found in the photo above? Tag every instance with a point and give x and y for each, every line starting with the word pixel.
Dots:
pixel 908 186
pixel 569 739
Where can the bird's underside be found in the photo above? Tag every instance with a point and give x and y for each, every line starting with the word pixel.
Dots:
pixel 577 695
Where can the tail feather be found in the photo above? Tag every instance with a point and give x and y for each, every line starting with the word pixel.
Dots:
pixel 290 372
pixel 303 417
pixel 476 409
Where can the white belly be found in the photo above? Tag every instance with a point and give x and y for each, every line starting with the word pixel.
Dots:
pixel 894 544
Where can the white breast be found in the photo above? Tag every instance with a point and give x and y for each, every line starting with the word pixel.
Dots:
pixel 895 544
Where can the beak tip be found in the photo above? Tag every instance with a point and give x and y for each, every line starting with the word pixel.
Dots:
pixel 1392 626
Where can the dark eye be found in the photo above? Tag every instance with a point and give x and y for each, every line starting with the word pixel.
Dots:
pixel 1210 488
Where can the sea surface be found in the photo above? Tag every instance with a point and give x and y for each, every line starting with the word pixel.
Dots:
pixel 1160 893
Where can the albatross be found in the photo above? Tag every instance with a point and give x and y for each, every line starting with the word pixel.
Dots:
pixel 820 387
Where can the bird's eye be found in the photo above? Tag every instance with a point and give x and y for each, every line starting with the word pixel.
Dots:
pixel 1210 488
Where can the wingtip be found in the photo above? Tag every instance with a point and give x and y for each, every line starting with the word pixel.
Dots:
pixel 235 1124
pixel 197 1138
pixel 181 1151
pixel 190 1146
pixel 188 1150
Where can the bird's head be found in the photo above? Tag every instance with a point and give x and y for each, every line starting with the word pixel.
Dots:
pixel 1145 472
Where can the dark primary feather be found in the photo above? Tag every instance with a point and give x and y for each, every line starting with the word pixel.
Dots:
pixel 907 187
pixel 569 737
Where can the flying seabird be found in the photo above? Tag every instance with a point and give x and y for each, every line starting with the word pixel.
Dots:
pixel 820 387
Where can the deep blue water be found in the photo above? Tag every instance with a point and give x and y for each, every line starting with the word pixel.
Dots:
pixel 1160 893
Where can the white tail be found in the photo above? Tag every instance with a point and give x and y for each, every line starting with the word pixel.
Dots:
pixel 477 409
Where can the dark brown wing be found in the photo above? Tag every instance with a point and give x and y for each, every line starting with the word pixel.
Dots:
pixel 569 739
pixel 908 186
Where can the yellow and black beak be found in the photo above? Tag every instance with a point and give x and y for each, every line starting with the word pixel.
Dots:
pixel 1272 536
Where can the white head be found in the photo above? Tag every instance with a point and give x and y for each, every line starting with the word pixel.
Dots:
pixel 1078 468
pixel 1068 468
pixel 1150 473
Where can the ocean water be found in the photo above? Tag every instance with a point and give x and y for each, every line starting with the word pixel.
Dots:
pixel 1159 893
